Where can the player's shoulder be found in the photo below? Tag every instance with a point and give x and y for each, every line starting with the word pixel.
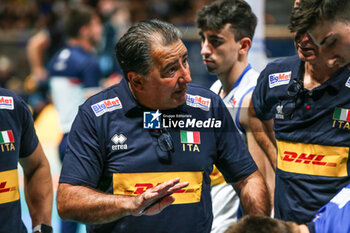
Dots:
pixel 216 86
pixel 201 97
pixel 195 89
pixel 108 100
pixel 284 63
pixel 8 96
pixel 9 100
pixel 7 92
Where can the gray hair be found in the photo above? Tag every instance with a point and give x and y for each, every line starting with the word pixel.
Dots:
pixel 134 48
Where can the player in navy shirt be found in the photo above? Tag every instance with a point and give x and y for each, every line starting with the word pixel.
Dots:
pixel 309 105
pixel 19 143
pixel 119 176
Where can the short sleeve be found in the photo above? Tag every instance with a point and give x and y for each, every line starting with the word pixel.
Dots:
pixel 234 160
pixel 29 139
pixel 83 162
pixel 261 105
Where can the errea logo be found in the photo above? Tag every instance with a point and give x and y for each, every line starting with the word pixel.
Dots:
pixel 119 140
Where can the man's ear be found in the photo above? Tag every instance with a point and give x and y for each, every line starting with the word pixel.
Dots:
pixel 136 81
pixel 245 45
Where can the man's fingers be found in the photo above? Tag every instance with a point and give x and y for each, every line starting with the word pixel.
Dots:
pixel 158 206
pixel 158 198
pixel 166 185
pixel 178 187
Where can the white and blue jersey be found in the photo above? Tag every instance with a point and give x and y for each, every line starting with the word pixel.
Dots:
pixel 17 140
pixel 109 150
pixel 312 129
pixel 244 85
pixel 334 217
pixel 73 72
pixel 224 198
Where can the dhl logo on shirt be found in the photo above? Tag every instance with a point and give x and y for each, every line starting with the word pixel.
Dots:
pixel 216 177
pixel 9 186
pixel 133 184
pixel 312 159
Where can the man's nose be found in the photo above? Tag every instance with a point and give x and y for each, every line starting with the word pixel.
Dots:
pixel 185 75
pixel 304 38
pixel 205 50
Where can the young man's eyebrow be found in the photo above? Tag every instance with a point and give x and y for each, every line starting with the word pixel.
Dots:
pixel 325 39
pixel 216 37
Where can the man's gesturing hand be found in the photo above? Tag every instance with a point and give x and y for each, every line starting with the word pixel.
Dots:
pixel 154 200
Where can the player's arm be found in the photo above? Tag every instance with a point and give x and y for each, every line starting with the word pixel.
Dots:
pixel 254 195
pixel 89 206
pixel 264 134
pixel 36 46
pixel 258 154
pixel 38 186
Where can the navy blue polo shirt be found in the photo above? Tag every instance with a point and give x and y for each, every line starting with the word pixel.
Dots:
pixel 312 129
pixel 17 140
pixel 109 150
pixel 77 64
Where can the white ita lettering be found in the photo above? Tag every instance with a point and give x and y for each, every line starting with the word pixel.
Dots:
pixel 190 147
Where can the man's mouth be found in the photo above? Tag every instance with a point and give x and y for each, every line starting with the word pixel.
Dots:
pixel 306 51
pixel 208 61
pixel 181 91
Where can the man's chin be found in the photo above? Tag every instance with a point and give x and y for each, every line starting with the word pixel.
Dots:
pixel 211 69
pixel 181 100
pixel 308 58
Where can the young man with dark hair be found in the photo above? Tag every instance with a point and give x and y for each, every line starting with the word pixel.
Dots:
pixel 226 31
pixel 308 102
pixel 122 171
pixel 328 23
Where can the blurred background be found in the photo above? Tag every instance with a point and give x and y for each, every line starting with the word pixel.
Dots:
pixel 21 20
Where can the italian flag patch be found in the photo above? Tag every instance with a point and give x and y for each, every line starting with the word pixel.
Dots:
pixel 6 137
pixel 341 114
pixel 190 137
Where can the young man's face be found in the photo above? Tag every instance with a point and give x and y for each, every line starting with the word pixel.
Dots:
pixel 165 85
pixel 333 37
pixel 219 50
